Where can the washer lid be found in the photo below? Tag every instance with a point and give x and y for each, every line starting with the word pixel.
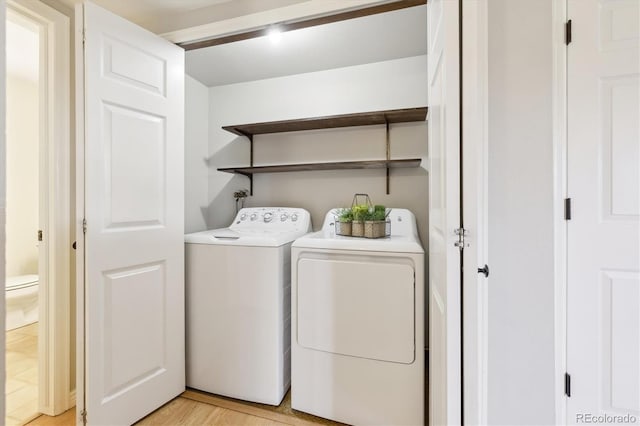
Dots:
pixel 20 281
pixel 247 238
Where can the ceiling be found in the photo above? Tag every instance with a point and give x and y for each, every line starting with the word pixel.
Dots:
pixel 161 16
pixel 375 38
pixel 128 8
pixel 22 52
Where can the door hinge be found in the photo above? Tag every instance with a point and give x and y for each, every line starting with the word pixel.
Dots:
pixel 40 235
pixel 84 36
pixel 567 32
pixel 567 209
pixel 567 384
pixel 83 416
pixel 84 226
pixel 461 233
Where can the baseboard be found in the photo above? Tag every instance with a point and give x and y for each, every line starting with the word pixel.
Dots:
pixel 72 399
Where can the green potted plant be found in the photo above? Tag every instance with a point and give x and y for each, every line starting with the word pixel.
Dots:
pixel 375 222
pixel 360 214
pixel 343 223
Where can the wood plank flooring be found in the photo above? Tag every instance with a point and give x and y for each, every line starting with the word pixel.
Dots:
pixel 194 408
pixel 187 412
pixel 68 418
pixel 21 388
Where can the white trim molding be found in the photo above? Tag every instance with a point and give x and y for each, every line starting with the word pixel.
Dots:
pixel 55 286
pixel 475 127
pixel 3 181
pixel 78 63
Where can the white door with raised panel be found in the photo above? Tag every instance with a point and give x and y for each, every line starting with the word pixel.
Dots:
pixel 603 321
pixel 444 213
pixel 133 204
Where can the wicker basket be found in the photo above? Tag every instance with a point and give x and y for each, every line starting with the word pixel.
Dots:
pixel 343 228
pixel 375 228
pixel 357 229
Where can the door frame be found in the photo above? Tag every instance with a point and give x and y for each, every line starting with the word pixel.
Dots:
pixel 54 331
pixel 475 152
pixel 78 225
pixel 560 234
pixel 475 131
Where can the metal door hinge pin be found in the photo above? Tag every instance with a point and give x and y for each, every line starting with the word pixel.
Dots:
pixel 461 233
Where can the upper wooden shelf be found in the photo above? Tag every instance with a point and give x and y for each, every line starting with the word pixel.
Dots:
pixel 330 122
pixel 341 165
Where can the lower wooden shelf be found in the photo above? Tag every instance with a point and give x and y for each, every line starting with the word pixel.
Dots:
pixel 342 165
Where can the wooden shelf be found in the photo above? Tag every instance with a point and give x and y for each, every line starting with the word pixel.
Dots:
pixel 330 122
pixel 342 165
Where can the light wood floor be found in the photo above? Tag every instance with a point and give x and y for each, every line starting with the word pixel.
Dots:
pixel 21 387
pixel 194 408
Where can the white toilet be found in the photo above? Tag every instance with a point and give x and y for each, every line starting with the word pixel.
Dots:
pixel 22 300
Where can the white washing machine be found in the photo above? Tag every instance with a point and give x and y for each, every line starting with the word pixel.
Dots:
pixel 358 329
pixel 238 304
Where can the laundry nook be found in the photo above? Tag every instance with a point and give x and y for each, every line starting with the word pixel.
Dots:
pixel 320 212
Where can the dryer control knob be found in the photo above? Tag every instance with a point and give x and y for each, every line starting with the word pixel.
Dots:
pixel 284 217
pixel 294 217
pixel 243 216
pixel 268 216
pixel 253 216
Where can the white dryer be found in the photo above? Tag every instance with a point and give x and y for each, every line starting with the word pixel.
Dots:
pixel 238 304
pixel 358 329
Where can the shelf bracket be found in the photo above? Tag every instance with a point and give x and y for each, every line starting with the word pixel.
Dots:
pixel 251 163
pixel 249 175
pixel 388 153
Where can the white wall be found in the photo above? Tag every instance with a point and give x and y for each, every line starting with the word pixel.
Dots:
pixel 22 176
pixel 521 284
pixel 196 126
pixel 385 85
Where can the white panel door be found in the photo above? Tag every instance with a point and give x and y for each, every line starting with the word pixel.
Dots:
pixel 134 251
pixel 603 322
pixel 444 213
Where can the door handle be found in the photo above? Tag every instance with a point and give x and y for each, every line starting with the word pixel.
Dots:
pixel 484 270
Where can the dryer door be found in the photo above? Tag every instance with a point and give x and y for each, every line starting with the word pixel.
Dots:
pixel 363 308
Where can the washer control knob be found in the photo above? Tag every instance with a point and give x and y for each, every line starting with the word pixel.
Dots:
pixel 294 217
pixel 243 216
pixel 268 216
pixel 284 217
pixel 253 216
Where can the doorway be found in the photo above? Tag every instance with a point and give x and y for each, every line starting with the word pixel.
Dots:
pixel 39 245
pixel 23 268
